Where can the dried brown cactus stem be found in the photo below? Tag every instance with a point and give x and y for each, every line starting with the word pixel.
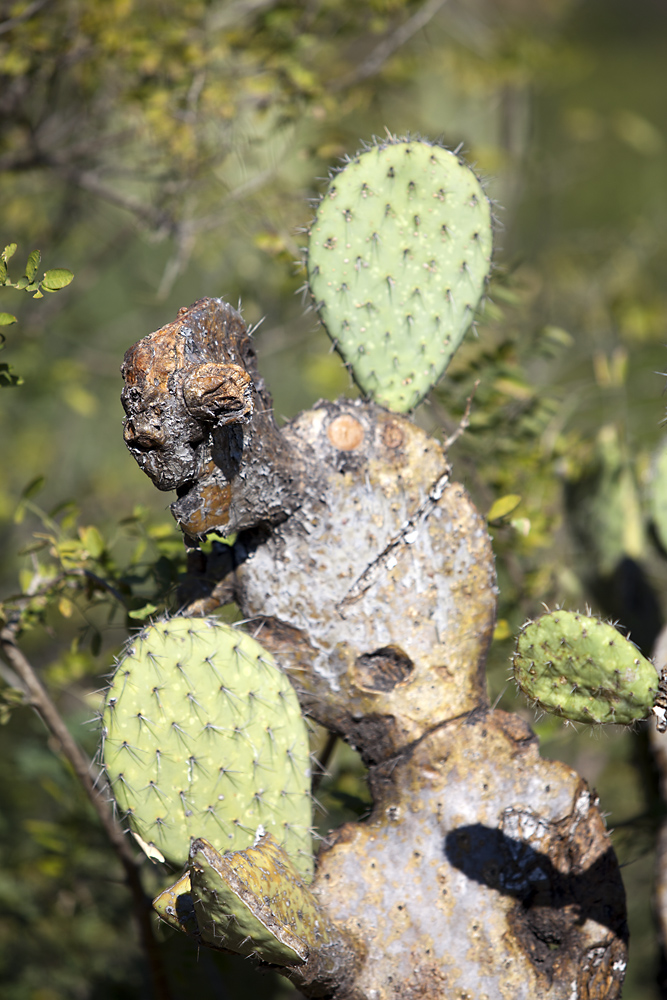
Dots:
pixel 199 420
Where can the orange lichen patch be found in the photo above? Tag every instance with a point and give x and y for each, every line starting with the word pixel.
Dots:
pixel 212 512
pixel 345 433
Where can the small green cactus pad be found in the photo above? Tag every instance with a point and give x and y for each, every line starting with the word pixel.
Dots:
pixel 255 902
pixel 584 670
pixel 398 257
pixel 204 735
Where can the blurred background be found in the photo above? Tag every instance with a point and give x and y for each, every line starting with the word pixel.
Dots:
pixel 164 151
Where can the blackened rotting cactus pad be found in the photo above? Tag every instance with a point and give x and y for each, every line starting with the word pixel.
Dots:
pixel 204 737
pixel 583 669
pixel 398 257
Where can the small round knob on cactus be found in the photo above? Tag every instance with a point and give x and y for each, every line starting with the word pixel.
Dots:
pixel 398 257
pixel 583 669
pixel 204 737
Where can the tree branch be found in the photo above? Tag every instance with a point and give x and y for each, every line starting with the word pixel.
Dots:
pixel 38 698
pixel 31 9
pixel 382 52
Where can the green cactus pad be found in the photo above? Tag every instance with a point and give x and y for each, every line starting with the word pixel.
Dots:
pixel 584 670
pixel 203 735
pixel 398 257
pixel 254 902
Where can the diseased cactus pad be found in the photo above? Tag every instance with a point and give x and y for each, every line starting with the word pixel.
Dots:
pixel 254 901
pixel 584 670
pixel 398 257
pixel 204 737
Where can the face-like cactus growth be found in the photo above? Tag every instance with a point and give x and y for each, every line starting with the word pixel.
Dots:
pixel 204 737
pixel 584 670
pixel 398 256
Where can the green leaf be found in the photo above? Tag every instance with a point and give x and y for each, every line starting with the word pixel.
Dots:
pixel 148 609
pixel 502 507
pixel 33 488
pixel 3 273
pixel 92 540
pixel 32 264
pixel 58 277
pixel 8 377
pixel 22 282
pixel 6 319
pixel 8 252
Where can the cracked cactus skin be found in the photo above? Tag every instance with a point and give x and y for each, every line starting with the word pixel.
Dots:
pixel 398 257
pixel 204 737
pixel 584 670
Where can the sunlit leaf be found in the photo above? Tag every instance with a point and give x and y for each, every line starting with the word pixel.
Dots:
pixel 65 607
pixel 56 278
pixel 148 609
pixel 502 630
pixel 503 507
pixel 9 252
pixel 32 264
pixel 6 319
pixel 93 541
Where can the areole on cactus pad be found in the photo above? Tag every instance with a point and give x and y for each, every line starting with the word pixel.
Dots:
pixel 398 257
pixel 584 670
pixel 204 737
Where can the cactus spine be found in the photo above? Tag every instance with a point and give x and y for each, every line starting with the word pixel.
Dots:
pixel 583 669
pixel 398 257
pixel 203 736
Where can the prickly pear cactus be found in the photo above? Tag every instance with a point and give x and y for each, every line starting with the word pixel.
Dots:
pixel 584 670
pixel 203 736
pixel 398 256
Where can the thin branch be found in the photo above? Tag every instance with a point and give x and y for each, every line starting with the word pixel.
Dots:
pixel 89 181
pixel 38 698
pixel 465 419
pixel 382 52
pixel 31 9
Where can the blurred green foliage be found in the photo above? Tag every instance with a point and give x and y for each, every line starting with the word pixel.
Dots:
pixel 165 151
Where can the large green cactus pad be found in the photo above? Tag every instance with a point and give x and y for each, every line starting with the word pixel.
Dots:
pixel 584 670
pixel 204 737
pixel 398 256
